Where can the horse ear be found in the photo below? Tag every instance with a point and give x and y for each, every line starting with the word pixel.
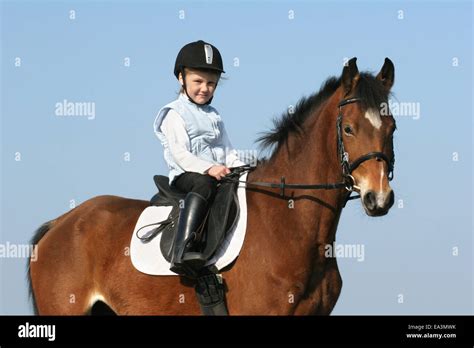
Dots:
pixel 350 76
pixel 387 74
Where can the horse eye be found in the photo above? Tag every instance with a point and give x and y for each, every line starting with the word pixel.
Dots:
pixel 348 129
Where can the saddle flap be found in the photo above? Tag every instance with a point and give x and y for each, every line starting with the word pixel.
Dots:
pixel 223 214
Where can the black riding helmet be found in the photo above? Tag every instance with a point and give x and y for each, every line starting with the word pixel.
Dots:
pixel 198 55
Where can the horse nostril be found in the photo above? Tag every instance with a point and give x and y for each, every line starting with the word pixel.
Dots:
pixel 391 199
pixel 369 200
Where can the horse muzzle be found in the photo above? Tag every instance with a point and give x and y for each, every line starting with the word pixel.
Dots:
pixel 378 203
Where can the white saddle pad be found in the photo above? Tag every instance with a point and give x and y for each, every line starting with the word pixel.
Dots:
pixel 147 257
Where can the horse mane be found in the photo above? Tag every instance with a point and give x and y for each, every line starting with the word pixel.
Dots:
pixel 368 89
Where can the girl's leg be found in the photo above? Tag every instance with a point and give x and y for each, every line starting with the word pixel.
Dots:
pixel 205 185
pixel 201 190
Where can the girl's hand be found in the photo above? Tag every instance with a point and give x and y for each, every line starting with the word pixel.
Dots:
pixel 218 172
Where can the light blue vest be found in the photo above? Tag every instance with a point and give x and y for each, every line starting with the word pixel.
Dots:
pixel 203 124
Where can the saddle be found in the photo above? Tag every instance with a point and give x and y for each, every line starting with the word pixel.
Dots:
pixel 223 214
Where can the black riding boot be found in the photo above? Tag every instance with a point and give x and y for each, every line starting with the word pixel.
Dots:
pixel 184 260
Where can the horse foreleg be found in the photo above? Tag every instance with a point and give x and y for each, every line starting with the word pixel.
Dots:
pixel 323 292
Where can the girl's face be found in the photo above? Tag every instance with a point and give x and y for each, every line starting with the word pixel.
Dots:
pixel 200 84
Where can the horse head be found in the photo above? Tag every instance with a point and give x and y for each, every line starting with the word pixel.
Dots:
pixel 365 134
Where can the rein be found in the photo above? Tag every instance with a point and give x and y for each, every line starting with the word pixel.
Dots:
pixel 348 182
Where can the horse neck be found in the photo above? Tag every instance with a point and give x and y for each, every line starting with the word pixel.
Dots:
pixel 311 158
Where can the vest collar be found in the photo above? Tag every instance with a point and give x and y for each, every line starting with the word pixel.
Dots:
pixel 184 98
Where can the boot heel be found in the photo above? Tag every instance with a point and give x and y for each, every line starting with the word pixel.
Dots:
pixel 194 260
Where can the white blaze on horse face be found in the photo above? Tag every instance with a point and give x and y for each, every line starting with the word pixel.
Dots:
pixel 381 177
pixel 374 118
pixel 363 182
pixel 381 196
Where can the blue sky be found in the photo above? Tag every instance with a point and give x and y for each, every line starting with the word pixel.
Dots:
pixel 280 59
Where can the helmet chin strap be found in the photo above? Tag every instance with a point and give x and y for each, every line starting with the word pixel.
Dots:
pixel 186 91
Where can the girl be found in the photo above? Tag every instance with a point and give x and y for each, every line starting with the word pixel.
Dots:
pixel 196 146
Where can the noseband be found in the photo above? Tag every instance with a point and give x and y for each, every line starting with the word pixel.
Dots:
pixel 348 167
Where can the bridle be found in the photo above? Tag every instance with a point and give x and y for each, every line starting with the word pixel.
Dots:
pixel 348 167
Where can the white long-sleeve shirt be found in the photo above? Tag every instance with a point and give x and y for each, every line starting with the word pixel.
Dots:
pixel 174 128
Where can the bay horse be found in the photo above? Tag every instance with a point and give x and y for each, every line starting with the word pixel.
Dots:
pixel 82 256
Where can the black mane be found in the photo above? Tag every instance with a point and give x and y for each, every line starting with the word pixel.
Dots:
pixel 369 89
